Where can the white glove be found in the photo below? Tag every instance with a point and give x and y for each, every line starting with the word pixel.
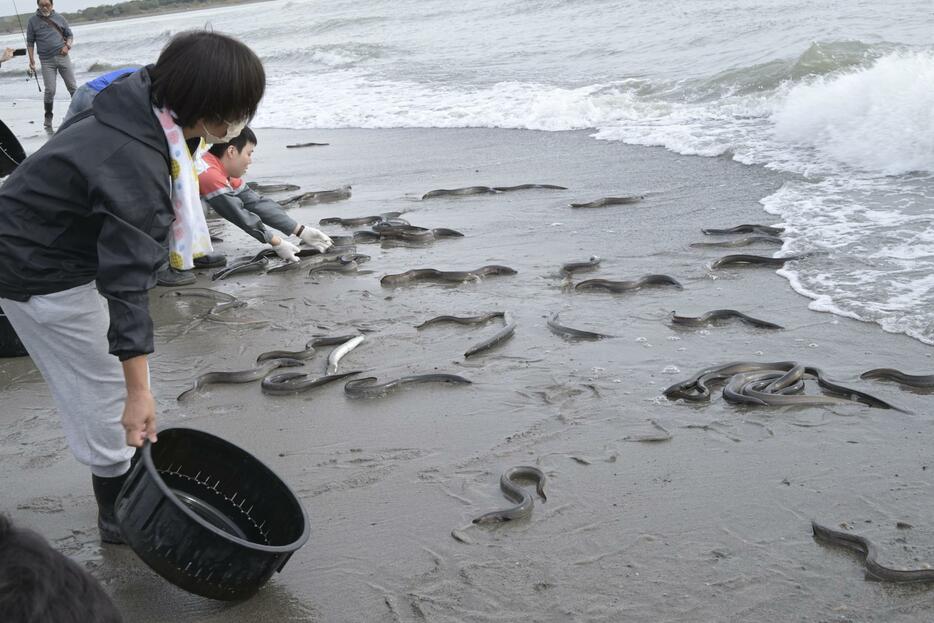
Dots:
pixel 286 250
pixel 315 239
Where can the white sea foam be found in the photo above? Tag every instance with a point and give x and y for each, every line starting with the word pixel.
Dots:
pixel 876 119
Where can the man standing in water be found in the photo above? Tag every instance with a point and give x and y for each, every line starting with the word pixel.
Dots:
pixel 50 34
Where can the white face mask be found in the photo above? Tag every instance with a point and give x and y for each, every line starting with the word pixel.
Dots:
pixel 233 131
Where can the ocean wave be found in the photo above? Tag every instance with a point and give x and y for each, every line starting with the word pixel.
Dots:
pixel 17 73
pixel 334 56
pixel 838 104
pixel 877 119
pixel 353 99
pixel 103 68
pixel 819 59
pixel 335 24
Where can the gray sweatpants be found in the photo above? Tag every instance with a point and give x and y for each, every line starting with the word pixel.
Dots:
pixel 57 64
pixel 66 336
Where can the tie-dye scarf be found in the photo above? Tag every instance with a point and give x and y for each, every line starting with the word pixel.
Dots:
pixel 189 237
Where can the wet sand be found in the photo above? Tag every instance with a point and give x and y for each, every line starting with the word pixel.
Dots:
pixel 711 525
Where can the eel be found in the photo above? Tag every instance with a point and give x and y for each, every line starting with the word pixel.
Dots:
pixel 486 190
pixel 920 381
pixel 456 276
pixel 721 314
pixel 461 319
pixel 746 228
pixel 205 293
pixel 318 196
pixel 241 376
pixel 695 389
pixel 285 267
pixel 524 501
pixel 773 388
pixel 754 260
pixel 359 220
pixel 368 387
pixel 500 336
pixel 444 232
pixel 741 242
pixel 288 383
pixel 568 332
pixel 342 264
pixel 573 267
pixel 272 188
pixel 865 547
pixel 307 353
pixel 506 189
pixel 609 201
pixel 624 286
pixel 338 353
pixel 247 266
pixel 459 192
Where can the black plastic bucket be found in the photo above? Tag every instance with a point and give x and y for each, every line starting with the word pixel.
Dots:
pixel 11 152
pixel 10 346
pixel 208 516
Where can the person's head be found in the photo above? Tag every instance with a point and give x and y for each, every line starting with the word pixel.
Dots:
pixel 45 7
pixel 38 583
pixel 237 155
pixel 211 82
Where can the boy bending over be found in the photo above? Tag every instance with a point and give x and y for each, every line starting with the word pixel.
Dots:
pixel 224 190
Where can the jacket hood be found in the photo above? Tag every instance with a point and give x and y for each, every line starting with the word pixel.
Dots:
pixel 126 105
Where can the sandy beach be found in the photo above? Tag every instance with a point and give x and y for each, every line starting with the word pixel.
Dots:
pixel 712 524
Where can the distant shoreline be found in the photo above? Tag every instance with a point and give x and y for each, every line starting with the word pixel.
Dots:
pixel 9 24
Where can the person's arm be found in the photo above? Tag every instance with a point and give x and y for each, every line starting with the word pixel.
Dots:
pixel 129 193
pixel 6 55
pixel 69 37
pixel 274 215
pixel 231 208
pixel 30 44
pixel 268 211
pixel 139 411
pixel 130 196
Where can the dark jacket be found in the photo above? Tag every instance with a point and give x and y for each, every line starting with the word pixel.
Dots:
pixel 93 204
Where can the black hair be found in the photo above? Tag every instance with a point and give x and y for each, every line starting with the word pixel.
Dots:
pixel 207 75
pixel 37 583
pixel 246 136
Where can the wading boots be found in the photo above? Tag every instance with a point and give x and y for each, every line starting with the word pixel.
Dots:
pixel 105 491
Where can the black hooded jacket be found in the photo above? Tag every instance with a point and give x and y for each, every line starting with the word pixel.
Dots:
pixel 93 204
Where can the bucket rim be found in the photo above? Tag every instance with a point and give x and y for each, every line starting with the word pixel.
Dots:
pixel 150 467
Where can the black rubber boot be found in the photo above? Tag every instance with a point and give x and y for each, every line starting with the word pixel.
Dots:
pixel 106 490
pixel 48 114
pixel 211 260
pixel 171 277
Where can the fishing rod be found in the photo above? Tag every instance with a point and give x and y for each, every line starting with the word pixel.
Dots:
pixel 34 74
